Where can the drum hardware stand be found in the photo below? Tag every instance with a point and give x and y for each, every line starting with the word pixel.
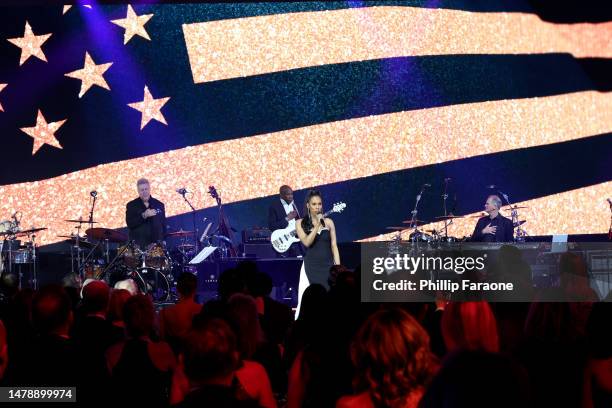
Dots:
pixel 183 193
pixel 34 262
pixel 444 197
pixel 610 230
pixel 87 259
pixel 106 251
pixel 413 221
pixel 117 257
pixel 12 238
pixel 32 249
pixel 79 251
pixel 521 234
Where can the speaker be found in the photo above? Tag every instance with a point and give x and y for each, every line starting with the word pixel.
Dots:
pixel 258 250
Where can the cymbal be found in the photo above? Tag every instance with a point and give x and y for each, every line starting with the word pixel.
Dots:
pixel 417 222
pixel 478 215
pixel 515 208
pixel 83 241
pixel 30 231
pixel 186 246
pixel 105 233
pixel 82 221
pixel 431 231
pixel 179 233
pixel 397 228
pixel 448 217
pixel 521 222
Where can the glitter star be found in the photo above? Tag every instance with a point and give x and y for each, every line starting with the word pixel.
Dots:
pixel 150 108
pixel 2 86
pixel 43 133
pixel 67 7
pixel 90 75
pixel 133 24
pixel 30 44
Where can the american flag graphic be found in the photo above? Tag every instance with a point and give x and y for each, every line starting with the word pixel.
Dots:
pixel 366 101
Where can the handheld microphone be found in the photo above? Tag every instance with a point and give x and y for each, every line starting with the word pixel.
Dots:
pixel 181 191
pixel 93 193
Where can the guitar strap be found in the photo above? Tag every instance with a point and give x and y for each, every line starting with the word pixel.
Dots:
pixel 296 210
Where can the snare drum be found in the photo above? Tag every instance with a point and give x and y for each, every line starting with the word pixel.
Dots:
pixel 156 257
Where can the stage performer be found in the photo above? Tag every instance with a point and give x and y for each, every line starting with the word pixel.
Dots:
pixel 145 216
pixel 493 227
pixel 282 213
pixel 318 234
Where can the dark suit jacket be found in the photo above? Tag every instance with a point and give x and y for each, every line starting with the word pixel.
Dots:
pixel 276 216
pixel 147 231
pixel 504 232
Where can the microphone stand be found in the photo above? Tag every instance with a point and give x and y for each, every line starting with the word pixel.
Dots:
pixel 521 234
pixel 91 213
pixel 193 213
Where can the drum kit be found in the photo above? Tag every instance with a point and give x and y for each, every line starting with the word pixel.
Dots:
pixel 107 254
pixel 18 257
pixel 439 236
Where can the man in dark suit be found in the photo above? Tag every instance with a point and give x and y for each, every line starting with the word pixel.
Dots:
pixel 145 216
pixel 93 334
pixel 50 358
pixel 282 213
pixel 493 227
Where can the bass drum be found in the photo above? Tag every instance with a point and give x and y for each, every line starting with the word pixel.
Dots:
pixel 152 282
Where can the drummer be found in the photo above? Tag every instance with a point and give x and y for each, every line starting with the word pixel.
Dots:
pixel 145 216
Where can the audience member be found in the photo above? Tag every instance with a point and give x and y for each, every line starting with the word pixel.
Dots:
pixel 210 359
pixel 393 362
pixel 141 370
pixel 176 320
pixel 469 326
pixel 478 379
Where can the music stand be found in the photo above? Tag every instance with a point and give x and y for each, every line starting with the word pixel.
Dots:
pixel 204 253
